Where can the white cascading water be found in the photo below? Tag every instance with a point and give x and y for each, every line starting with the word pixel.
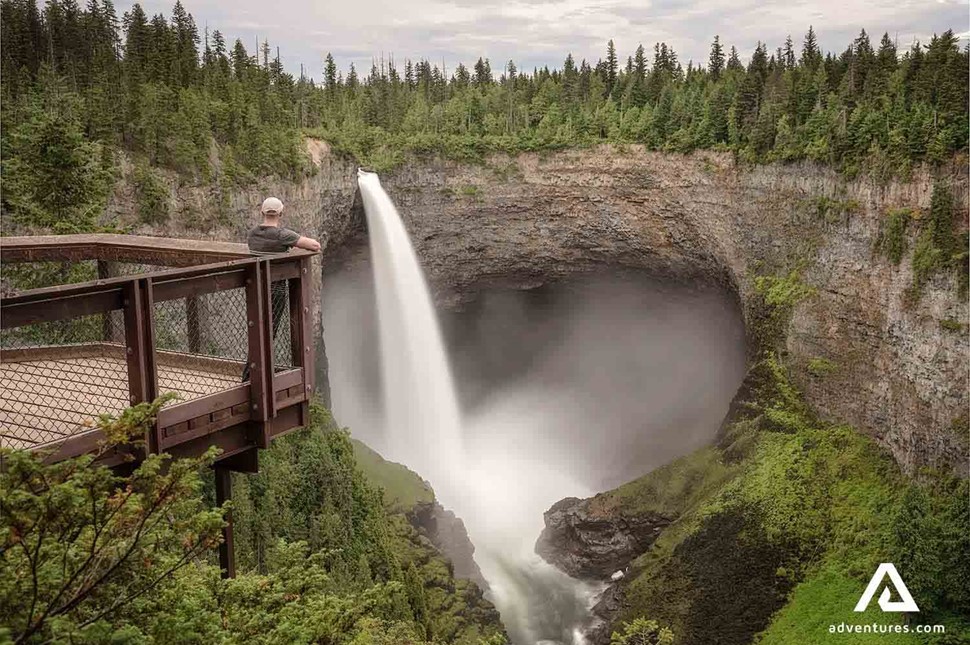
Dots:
pixel 500 499
pixel 419 395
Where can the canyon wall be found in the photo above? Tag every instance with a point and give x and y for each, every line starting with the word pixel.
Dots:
pixel 895 366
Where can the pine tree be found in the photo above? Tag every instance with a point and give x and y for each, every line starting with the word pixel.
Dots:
pixel 611 67
pixel 483 74
pixel 788 55
pixel 811 56
pixel 240 60
pixel 715 63
pixel 330 76
pixel 186 40
pixel 638 88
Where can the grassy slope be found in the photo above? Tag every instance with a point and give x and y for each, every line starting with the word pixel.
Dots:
pixel 403 488
pixel 781 526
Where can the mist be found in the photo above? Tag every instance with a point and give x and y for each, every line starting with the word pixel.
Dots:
pixel 565 390
pixel 616 373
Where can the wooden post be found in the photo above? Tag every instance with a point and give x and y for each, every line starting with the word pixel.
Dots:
pixel 193 324
pixel 301 336
pixel 227 554
pixel 140 348
pixel 105 272
pixel 269 342
pixel 256 317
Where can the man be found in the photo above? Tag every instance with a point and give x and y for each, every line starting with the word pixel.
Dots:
pixel 269 238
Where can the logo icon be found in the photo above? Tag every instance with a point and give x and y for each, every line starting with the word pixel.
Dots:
pixel 905 603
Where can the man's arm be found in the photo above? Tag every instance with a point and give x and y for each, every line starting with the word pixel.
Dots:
pixel 307 243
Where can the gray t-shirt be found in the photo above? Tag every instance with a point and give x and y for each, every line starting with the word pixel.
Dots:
pixel 272 239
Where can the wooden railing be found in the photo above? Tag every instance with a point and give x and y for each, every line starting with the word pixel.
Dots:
pixel 58 339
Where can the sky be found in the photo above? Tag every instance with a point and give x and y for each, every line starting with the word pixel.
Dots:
pixel 535 33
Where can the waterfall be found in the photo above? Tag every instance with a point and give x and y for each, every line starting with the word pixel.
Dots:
pixel 419 395
pixel 499 495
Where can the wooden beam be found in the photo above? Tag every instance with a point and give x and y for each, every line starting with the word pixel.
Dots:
pixel 140 349
pixel 227 555
pixel 17 312
pixel 257 304
pixel 246 461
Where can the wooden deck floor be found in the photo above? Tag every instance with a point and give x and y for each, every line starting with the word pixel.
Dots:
pixel 43 401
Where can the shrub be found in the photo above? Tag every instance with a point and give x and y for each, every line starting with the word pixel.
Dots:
pixel 152 194
pixel 892 241
pixel 642 632
pixel 950 324
pixel 819 367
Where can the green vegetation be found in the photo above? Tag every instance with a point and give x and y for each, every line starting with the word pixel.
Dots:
pixel 642 632
pixel 831 210
pixel 80 84
pixel 788 521
pixel 92 557
pixel 778 296
pixel 153 195
pixel 892 237
pixel 938 247
pixel 54 176
pixel 825 599
pixel 951 324
pixel 819 367
pixel 403 488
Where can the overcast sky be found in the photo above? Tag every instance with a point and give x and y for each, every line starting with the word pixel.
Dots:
pixel 541 32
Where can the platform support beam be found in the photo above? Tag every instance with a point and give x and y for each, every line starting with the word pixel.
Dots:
pixel 227 556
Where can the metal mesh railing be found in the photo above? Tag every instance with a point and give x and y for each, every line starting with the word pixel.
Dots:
pixel 202 341
pixel 282 350
pixel 57 377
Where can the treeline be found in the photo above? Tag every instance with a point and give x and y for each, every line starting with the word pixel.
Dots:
pixel 87 82
pixel 868 108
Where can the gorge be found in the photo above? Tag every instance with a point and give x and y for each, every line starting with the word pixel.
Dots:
pixel 533 219
pixel 854 341
pixel 612 323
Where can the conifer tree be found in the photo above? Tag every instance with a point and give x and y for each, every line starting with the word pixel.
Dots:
pixel 715 64
pixel 611 67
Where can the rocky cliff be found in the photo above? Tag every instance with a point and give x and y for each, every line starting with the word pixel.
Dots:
pixel 447 533
pixel 895 368
pixel 591 545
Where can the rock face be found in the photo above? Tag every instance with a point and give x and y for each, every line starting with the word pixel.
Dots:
pixel 591 545
pixel 897 372
pixel 447 533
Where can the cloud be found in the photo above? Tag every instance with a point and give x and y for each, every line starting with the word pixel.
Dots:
pixel 535 33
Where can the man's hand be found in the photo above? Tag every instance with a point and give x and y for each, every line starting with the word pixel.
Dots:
pixel 308 243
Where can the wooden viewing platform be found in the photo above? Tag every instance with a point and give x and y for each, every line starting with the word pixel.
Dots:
pixel 119 320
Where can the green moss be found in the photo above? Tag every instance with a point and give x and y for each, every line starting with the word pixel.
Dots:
pixel 892 239
pixel 951 324
pixel 777 297
pixel 671 489
pixel 831 210
pixel 784 510
pixel 783 291
pixel 827 598
pixel 403 488
pixel 820 367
